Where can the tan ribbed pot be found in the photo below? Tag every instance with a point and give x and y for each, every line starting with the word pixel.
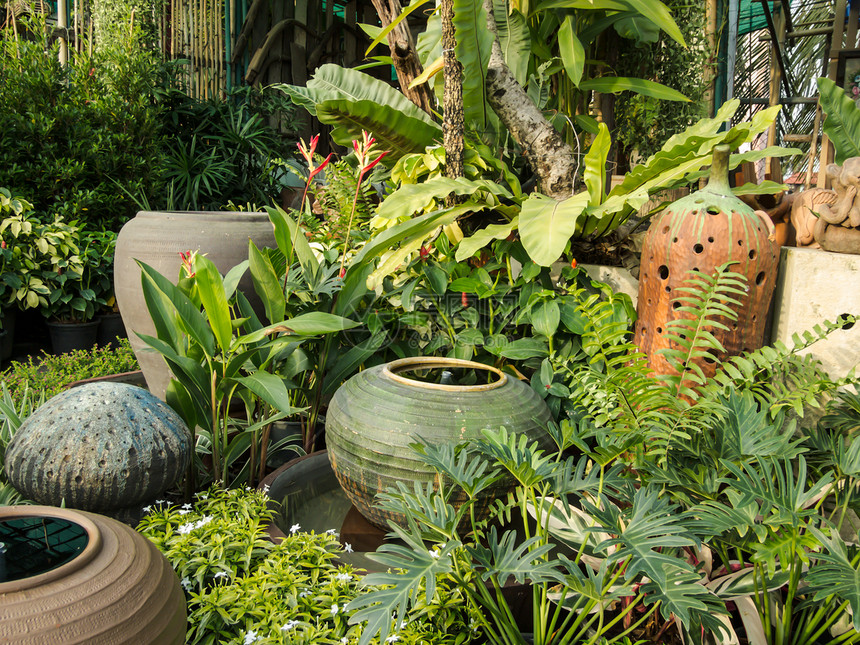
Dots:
pixel 118 589
pixel 157 238
pixel 376 415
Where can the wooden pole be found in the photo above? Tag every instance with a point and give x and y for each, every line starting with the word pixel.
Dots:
pixel 772 163
pixel 63 26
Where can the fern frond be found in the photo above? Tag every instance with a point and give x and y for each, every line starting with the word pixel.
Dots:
pixel 781 376
pixel 707 302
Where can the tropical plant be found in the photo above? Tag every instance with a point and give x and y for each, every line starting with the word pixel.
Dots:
pixel 243 588
pixel 42 266
pixel 70 133
pixel 690 493
pixel 635 535
pixel 842 121
pixel 235 149
pixel 214 360
pixel 546 225
pixel 728 450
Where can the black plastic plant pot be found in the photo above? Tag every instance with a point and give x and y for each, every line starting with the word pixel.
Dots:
pixel 66 337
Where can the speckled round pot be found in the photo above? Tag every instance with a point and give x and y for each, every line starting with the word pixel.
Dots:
pixel 375 416
pixel 118 589
pixel 99 447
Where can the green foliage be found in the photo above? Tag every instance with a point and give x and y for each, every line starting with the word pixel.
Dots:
pixel 574 594
pixel 14 410
pixel 842 121
pixel 242 588
pixel 69 135
pixel 643 123
pixel 333 199
pixel 224 150
pixel 48 374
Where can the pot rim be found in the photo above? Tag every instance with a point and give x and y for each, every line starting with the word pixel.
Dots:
pixel 390 370
pixel 94 543
pixel 237 216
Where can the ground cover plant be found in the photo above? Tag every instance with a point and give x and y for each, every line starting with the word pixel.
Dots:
pixel 244 589
pixel 50 374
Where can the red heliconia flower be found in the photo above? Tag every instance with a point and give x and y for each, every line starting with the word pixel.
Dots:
pixel 307 151
pixel 342 272
pixel 423 253
pixel 188 262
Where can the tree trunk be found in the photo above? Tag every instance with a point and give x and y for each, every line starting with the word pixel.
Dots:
pixel 403 55
pixel 452 99
pixel 550 157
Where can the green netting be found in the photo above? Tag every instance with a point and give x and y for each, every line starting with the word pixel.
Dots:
pixel 751 16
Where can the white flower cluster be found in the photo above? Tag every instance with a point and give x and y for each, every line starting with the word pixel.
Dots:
pixel 185 529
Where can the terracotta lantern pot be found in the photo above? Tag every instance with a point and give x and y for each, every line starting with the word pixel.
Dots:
pixel 704 231
pixel 376 415
pixel 75 577
pixel 157 238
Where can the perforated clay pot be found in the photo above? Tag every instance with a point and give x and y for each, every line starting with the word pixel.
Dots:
pixel 704 231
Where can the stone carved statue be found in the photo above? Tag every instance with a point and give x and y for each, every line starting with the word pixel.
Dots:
pixel 803 218
pixel 838 225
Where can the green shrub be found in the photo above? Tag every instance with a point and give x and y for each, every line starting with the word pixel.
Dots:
pixel 242 589
pixel 49 375
pixel 71 137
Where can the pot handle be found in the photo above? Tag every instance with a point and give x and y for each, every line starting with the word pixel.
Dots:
pixel 771 230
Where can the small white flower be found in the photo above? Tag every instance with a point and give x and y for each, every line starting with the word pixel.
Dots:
pixel 265 489
pixel 304 594
pixel 392 639
pixel 221 574
pixel 250 637
pixel 186 506
pixel 332 531
pixel 295 527
pixel 334 609
pixel 161 501
pixel 344 640
pixel 290 624
pixel 343 577
pixel 186 583
pixel 347 547
pixel 434 553
pixel 402 624
pixel 185 529
pixel 183 512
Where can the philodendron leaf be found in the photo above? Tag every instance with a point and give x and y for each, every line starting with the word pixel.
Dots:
pixel 615 84
pixel 414 198
pixel 842 123
pixel 547 224
pixel 468 246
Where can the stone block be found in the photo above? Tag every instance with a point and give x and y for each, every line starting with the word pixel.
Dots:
pixel 814 286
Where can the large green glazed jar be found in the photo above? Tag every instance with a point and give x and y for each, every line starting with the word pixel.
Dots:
pixel 375 416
